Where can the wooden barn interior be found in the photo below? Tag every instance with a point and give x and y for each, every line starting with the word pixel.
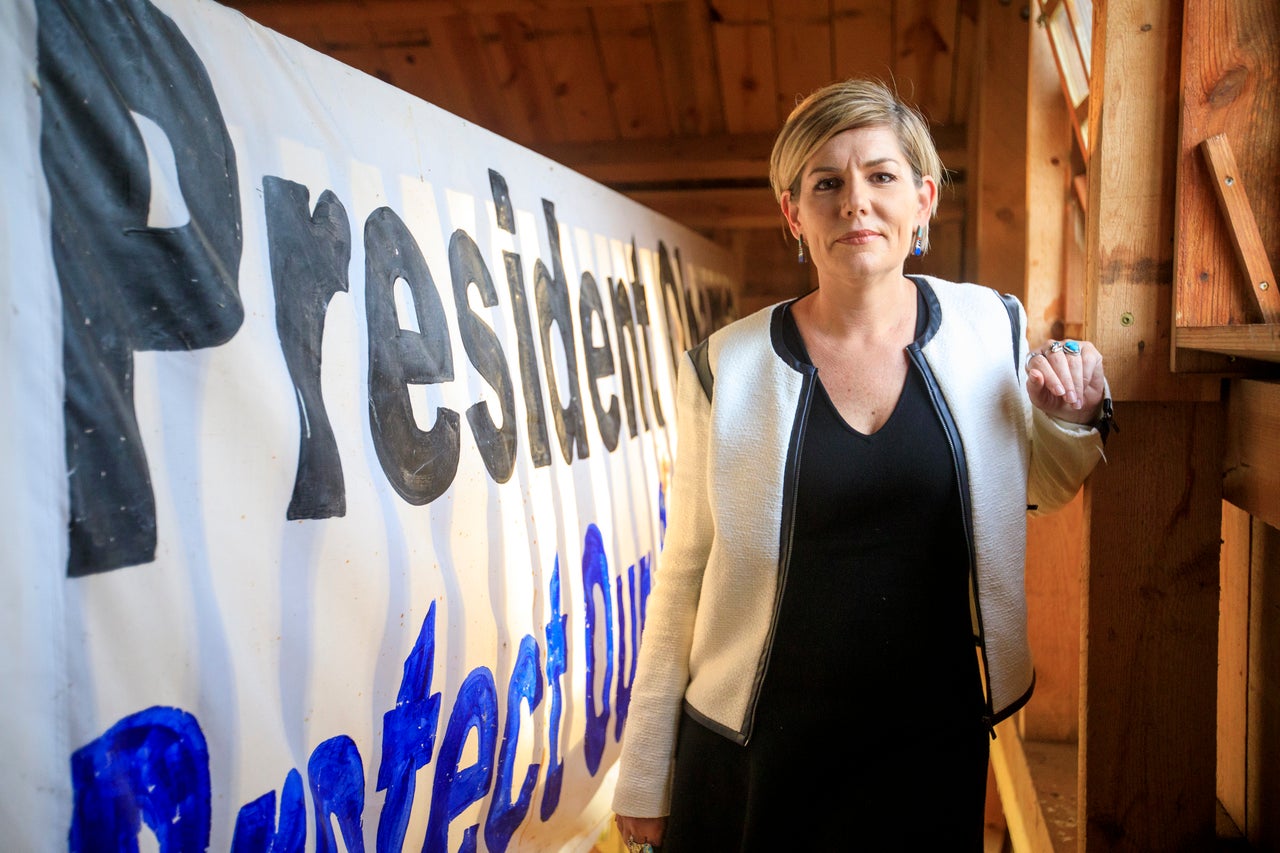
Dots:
pixel 1115 164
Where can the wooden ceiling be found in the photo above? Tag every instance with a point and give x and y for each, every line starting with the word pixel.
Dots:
pixel 673 103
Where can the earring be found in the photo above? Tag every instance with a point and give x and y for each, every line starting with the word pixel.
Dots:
pixel 800 254
pixel 918 249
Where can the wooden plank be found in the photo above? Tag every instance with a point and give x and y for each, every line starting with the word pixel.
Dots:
pixel 717 157
pixel 421 66
pixel 1257 341
pixel 1153 509
pixel 862 33
pixel 1130 238
pixel 769 268
pixel 966 61
pixel 714 208
pixel 713 157
pixel 1262 760
pixel 997 194
pixel 290 13
pixel 744 52
pixel 1048 195
pixel 1245 237
pixel 1055 556
pixel 1037 786
pixel 574 77
pixel 463 52
pixel 690 79
pixel 803 51
pixel 1230 70
pixel 1149 662
pixel 924 41
pixel 515 77
pixel 627 45
pixel 1251 461
pixel 1233 659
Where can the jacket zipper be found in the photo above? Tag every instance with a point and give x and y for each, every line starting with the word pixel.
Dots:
pixel 784 553
pixel 962 480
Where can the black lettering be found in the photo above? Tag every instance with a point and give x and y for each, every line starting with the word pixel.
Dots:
pixel 551 292
pixel 497 444
pixel 679 337
pixel 644 338
pixel 535 414
pixel 309 255
pixel 419 464
pixel 625 325
pixel 126 286
pixel 599 359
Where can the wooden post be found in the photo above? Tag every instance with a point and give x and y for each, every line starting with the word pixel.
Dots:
pixel 1153 510
pixel 995 242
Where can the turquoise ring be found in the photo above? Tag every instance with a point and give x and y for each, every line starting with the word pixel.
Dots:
pixel 1072 347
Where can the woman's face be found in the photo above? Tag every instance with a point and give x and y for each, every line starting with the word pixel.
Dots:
pixel 858 206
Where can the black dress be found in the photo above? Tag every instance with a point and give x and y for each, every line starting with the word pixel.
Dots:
pixel 868 733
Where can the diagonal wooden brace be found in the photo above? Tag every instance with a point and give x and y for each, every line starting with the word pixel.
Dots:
pixel 1245 236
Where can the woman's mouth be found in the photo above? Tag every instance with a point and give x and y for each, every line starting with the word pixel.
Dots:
pixel 858 238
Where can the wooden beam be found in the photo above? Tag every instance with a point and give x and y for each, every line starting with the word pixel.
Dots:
pixel 1233 658
pixel 1038 787
pixel 1130 232
pixel 714 208
pixel 1251 463
pixel 1153 508
pixel 719 157
pixel 302 12
pixel 707 158
pixel 1150 618
pixel 997 187
pixel 1228 181
pixel 1262 758
pixel 1257 341
pixel 1049 177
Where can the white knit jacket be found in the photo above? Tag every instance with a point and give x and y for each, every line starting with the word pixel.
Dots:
pixel 710 619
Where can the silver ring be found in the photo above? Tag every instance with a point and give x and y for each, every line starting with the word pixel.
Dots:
pixel 1072 347
pixel 1031 355
pixel 1055 346
pixel 634 846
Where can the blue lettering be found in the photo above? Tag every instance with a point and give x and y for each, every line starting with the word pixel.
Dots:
pixel 525 685
pixel 255 832
pixel 152 767
pixel 476 707
pixel 556 630
pixel 337 787
pixel 595 575
pixel 408 735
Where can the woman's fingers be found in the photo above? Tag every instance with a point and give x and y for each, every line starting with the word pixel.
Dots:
pixel 1065 375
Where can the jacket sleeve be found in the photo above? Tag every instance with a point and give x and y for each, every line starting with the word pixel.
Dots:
pixel 1062 455
pixel 643 786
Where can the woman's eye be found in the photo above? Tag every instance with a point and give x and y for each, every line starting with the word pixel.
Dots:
pixel 884 178
pixel 827 184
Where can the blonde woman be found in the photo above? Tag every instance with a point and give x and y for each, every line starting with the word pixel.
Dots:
pixel 838 620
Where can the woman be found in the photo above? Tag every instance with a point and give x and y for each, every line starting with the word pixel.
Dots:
pixel 838 620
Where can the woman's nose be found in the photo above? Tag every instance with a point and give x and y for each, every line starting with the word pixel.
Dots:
pixel 853 198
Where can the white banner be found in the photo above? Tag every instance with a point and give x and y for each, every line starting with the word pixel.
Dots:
pixel 336 432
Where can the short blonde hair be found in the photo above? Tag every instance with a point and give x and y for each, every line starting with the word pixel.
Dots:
pixel 846 105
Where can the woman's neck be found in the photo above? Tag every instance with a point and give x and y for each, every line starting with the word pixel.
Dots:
pixel 868 310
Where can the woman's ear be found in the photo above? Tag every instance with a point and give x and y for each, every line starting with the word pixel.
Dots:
pixel 928 195
pixel 791 213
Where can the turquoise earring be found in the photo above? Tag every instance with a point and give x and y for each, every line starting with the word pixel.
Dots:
pixel 800 255
pixel 918 249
